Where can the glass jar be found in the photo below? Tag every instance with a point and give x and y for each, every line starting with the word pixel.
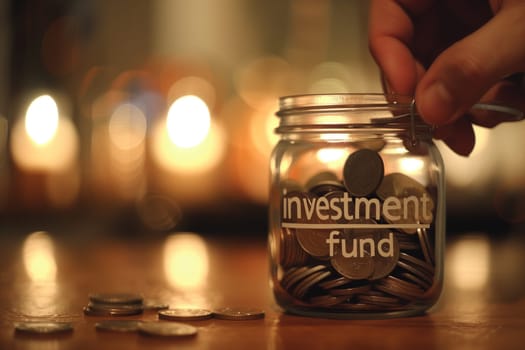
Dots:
pixel 357 208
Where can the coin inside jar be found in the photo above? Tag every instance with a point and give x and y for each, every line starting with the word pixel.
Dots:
pixel 363 172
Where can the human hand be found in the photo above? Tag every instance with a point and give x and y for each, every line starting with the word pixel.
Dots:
pixel 451 54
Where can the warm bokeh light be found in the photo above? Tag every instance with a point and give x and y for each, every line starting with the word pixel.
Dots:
pixel 469 263
pixel 188 121
pixel 38 145
pixel 331 155
pixel 41 119
pixel 198 159
pixel 39 258
pixel 186 261
pixel 411 166
pixel 127 126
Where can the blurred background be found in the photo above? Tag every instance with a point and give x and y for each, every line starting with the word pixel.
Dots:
pixel 141 117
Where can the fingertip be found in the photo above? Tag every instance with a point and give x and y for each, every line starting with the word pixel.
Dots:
pixel 459 136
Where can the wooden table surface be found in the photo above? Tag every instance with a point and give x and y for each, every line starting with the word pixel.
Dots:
pixel 45 277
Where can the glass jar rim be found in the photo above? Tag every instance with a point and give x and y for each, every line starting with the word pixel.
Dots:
pixel 292 104
pixel 339 112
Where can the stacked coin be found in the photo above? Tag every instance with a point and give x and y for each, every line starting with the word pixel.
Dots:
pixel 324 264
pixel 114 304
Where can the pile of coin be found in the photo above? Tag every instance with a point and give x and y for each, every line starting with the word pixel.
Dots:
pixel 339 269
pixel 114 304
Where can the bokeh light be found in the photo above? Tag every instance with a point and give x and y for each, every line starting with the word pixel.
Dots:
pixel 127 126
pixel 41 119
pixel 188 121
pixel 186 261
pixel 44 140
pixel 39 258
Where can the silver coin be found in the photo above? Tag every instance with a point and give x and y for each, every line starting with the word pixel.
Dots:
pixel 238 314
pixel 363 172
pixel 116 298
pixel 41 327
pixel 118 325
pixel 90 311
pixel 167 329
pixel 185 314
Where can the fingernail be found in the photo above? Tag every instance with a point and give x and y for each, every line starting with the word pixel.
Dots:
pixel 437 105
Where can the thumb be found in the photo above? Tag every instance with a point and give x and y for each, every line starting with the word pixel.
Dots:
pixel 461 75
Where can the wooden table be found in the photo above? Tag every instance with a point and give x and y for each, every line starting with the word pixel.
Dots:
pixel 46 277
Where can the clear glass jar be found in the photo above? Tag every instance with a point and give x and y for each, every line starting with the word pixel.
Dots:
pixel 357 208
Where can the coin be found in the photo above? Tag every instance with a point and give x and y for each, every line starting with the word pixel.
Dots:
pixel 402 186
pixel 323 177
pixel 116 298
pixel 118 325
pixel 383 266
pixel 39 327
pixel 417 262
pixel 300 274
pixel 326 300
pixel 185 314
pixel 302 288
pixel 363 172
pixel 290 252
pixel 167 329
pixel 314 242
pixel 361 264
pixel 336 282
pixel 426 248
pixel 238 313
pixel 350 291
pixel 93 311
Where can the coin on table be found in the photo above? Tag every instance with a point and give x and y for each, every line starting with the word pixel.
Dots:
pixel 116 298
pixel 185 314
pixel 238 313
pixel 118 325
pixel 96 311
pixel 167 329
pixel 363 172
pixel 43 327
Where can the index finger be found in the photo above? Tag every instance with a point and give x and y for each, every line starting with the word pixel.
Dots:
pixel 391 32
